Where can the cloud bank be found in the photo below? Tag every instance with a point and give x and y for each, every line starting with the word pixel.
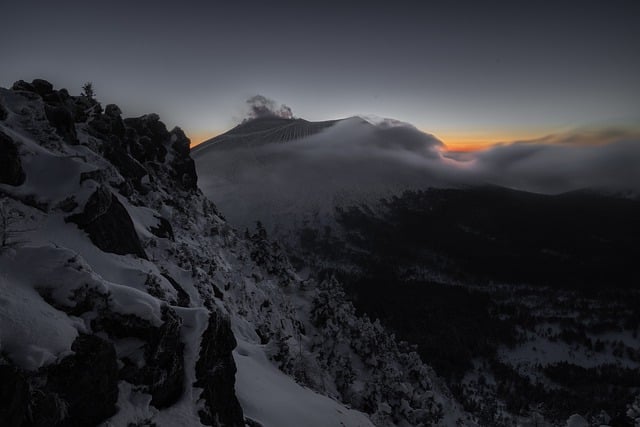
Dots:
pixel 355 161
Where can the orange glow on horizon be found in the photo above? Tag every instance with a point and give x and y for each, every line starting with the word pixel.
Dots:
pixel 468 146
pixel 468 142
pixel 198 138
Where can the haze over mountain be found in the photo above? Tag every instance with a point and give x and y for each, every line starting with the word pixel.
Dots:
pixel 270 165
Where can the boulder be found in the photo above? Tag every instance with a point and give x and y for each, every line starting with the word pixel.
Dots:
pixel 183 299
pixel 14 396
pixel 183 165
pixel 3 113
pixel 62 120
pixel 112 110
pixel 163 229
pixel 215 373
pixel 162 373
pixel 153 137
pixel 129 168
pixel 11 171
pixel 22 85
pixel 113 113
pixel 108 224
pixel 42 87
pixel 86 382
pixel 164 354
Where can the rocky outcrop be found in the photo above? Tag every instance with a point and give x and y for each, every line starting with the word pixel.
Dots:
pixel 80 390
pixel 108 224
pixel 183 299
pixel 148 138
pixel 14 396
pixel 158 368
pixel 58 107
pixel 63 122
pixel 11 171
pixel 21 85
pixel 118 341
pixel 136 146
pixel 128 167
pixel 86 382
pixel 215 373
pixel 162 370
pixel 183 165
pixel 42 87
pixel 163 229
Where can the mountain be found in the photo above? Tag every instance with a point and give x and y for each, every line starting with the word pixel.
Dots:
pixel 127 299
pixel 524 302
pixel 263 130
pixel 292 177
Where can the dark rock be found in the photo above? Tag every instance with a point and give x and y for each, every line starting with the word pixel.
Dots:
pixel 118 325
pixel 11 171
pixel 215 373
pixel 185 173
pixel 81 107
pixel 67 205
pixel 108 224
pixel 183 296
pixel 63 122
pixel 183 165
pixel 22 85
pixel 14 396
pixel 100 126
pixel 129 168
pixel 42 87
pixel 113 111
pixel 87 381
pixel 153 137
pixel 46 409
pixel 126 189
pixel 163 371
pixel 53 98
pixel 163 229
pixel 97 175
pixel 148 125
pixel 217 292
pixel 181 144
pixel 3 113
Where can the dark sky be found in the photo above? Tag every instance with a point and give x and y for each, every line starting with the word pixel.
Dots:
pixel 465 71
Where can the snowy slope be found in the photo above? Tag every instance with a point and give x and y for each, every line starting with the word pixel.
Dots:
pixel 115 267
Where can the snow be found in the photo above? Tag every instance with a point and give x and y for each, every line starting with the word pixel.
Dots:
pixel 127 300
pixel 274 399
pixel 576 420
pixel 32 333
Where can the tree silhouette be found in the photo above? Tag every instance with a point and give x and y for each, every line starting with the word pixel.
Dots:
pixel 87 90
